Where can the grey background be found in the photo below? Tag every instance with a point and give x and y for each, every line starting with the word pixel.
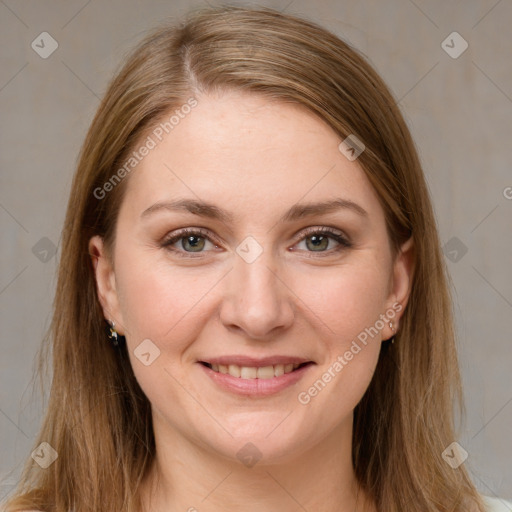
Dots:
pixel 460 114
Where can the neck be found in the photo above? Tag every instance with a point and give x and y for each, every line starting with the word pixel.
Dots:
pixel 187 477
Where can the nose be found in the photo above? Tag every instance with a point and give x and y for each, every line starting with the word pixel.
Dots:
pixel 256 299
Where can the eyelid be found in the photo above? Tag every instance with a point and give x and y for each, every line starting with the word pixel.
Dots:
pixel 175 236
pixel 339 236
pixel 319 229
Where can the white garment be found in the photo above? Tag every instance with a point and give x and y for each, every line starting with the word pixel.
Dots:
pixel 497 504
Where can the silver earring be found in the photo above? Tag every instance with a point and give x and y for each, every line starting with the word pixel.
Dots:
pixel 392 340
pixel 112 334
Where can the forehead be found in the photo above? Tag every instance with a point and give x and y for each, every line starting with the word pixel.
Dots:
pixel 247 151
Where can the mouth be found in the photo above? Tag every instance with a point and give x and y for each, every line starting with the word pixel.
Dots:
pixel 256 372
pixel 255 377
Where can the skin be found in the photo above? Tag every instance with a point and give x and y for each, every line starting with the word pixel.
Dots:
pixel 254 158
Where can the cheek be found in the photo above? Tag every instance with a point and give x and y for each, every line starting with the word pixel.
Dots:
pixel 161 303
pixel 337 388
pixel 158 300
pixel 346 299
pixel 349 304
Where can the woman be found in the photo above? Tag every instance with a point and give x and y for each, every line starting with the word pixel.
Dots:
pixel 250 217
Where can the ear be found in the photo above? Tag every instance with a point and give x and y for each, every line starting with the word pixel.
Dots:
pixel 106 282
pixel 401 282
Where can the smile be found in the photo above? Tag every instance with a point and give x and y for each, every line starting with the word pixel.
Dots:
pixel 255 378
pixel 255 372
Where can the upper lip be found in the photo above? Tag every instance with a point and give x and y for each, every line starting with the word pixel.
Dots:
pixel 255 361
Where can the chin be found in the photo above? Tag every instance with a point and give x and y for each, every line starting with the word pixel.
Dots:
pixel 251 446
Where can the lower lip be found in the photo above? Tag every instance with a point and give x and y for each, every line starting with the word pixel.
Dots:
pixel 255 387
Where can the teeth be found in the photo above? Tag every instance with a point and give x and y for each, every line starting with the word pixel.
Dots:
pixel 234 370
pixel 265 372
pixel 252 372
pixel 247 372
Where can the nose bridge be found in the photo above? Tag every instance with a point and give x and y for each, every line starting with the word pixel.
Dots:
pixel 256 300
pixel 256 280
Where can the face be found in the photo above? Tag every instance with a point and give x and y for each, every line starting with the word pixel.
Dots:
pixel 246 277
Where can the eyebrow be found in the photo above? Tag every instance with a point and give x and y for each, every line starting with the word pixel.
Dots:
pixel 296 212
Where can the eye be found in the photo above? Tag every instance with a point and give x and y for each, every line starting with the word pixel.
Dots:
pixel 319 240
pixel 188 241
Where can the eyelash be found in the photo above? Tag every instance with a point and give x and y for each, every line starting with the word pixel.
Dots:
pixel 343 242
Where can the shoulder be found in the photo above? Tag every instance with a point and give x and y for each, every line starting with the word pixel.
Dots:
pixel 497 504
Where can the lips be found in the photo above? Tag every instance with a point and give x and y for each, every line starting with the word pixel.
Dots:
pixel 255 378
pixel 251 368
pixel 255 361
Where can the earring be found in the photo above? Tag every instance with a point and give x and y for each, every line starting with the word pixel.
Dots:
pixel 392 340
pixel 112 334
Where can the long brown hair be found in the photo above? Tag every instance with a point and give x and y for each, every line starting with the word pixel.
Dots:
pixel 98 419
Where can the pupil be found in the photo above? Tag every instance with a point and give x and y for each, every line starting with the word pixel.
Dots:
pixel 319 241
pixel 194 243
